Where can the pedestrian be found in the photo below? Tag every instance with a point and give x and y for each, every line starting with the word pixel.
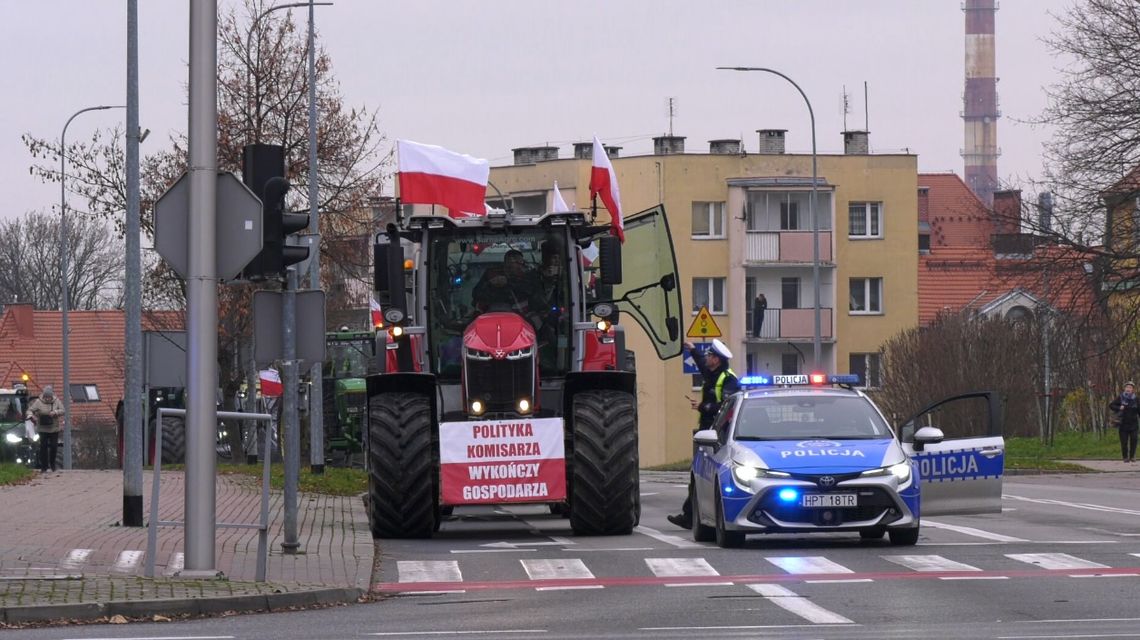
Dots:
pixel 1125 405
pixel 759 306
pixel 47 411
pixel 719 383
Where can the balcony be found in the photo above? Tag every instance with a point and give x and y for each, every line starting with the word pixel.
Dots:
pixel 783 325
pixel 785 247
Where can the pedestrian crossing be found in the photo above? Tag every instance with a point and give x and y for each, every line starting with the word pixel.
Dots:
pixel 742 569
pixel 92 561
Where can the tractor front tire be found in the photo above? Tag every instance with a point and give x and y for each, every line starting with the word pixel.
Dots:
pixel 402 467
pixel 173 440
pixel 605 494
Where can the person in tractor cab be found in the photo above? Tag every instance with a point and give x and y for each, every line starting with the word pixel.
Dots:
pixel 506 287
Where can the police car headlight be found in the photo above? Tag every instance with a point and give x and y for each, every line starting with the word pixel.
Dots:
pixel 745 474
pixel 900 471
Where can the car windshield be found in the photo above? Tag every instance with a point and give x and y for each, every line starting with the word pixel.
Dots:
pixel 803 417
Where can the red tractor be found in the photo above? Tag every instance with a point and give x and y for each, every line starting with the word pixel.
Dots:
pixel 504 376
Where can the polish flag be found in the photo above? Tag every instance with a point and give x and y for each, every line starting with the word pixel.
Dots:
pixel 377 313
pixel 603 182
pixel 560 205
pixel 271 386
pixel 434 175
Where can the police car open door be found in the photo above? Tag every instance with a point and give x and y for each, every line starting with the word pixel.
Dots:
pixel 962 474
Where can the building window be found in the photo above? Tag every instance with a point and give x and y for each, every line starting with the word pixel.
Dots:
pixel 789 364
pixel 790 293
pixel 924 243
pixel 866 366
pixel 708 219
pixel 708 292
pixel 789 216
pixel 866 295
pixel 865 220
pixel 84 393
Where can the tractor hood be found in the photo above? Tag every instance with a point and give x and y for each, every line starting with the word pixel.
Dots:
pixel 497 334
pixel 350 385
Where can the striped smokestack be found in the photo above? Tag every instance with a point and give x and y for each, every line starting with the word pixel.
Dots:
pixel 981 113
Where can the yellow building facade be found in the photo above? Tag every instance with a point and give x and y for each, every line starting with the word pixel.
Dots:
pixel 741 226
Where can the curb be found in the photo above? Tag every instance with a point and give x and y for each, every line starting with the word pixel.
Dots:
pixel 87 612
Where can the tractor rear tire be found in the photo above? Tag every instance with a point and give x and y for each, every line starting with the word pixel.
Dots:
pixel 605 492
pixel 402 467
pixel 173 440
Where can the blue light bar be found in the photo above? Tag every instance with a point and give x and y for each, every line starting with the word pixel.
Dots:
pixel 846 378
pixel 766 380
pixel 755 381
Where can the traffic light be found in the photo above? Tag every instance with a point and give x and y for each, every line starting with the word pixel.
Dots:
pixel 263 171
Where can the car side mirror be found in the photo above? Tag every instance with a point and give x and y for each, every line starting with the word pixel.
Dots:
pixel 927 435
pixel 706 438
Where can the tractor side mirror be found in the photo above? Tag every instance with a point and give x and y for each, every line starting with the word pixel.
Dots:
pixel 609 252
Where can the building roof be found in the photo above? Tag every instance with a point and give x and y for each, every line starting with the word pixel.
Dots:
pixel 31 342
pixel 957 217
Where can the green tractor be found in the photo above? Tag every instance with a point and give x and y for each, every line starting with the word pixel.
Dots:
pixel 344 393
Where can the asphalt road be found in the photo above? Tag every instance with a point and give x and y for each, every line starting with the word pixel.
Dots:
pixel 1061 561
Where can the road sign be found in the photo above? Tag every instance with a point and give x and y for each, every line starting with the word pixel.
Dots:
pixel 237 233
pixel 689 362
pixel 703 326
pixel 164 353
pixel 310 332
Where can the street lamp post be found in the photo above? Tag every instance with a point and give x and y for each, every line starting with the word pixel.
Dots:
pixel 64 301
pixel 814 219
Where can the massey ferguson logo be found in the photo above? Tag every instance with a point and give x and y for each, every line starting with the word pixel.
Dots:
pixel 826 481
pixel 500 354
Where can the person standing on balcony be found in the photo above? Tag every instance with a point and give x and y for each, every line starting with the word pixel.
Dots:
pixel 759 306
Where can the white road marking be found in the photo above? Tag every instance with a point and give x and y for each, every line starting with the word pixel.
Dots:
pixel 700 584
pixel 808 564
pixel 176 563
pixel 800 606
pixel 127 561
pixel 429 571
pixel 1095 635
pixel 162 638
pixel 1111 575
pixel 839 580
pixel 484 632
pixel 929 563
pixel 493 550
pixel 974 578
pixel 434 592
pixel 571 588
pixel 970 531
pixel 76 558
pixel 556 569
pixel 1055 561
pixel 582 550
pixel 1075 505
pixel 680 567
pixel 676 541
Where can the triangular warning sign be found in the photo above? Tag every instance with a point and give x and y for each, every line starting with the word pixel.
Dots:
pixel 703 326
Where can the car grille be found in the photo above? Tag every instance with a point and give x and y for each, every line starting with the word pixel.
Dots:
pixel 500 383
pixel 873 502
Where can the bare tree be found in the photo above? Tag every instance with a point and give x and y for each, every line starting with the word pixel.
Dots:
pixel 262 97
pixel 29 262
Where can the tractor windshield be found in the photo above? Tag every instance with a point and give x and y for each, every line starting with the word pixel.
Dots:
pixel 524 271
pixel 348 357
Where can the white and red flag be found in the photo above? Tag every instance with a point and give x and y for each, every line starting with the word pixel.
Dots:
pixel 376 311
pixel 560 205
pixel 434 175
pixel 603 182
pixel 271 386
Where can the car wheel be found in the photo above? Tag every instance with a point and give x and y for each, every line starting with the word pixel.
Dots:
pixel 701 532
pixel 904 537
pixel 873 534
pixel 725 539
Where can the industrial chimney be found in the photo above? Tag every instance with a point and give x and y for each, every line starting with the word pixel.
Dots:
pixel 981 113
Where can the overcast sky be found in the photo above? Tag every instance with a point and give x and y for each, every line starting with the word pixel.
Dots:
pixel 484 77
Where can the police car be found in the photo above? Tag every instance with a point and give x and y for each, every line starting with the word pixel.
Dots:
pixel 811 453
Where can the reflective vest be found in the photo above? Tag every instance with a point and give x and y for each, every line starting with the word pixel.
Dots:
pixel 720 384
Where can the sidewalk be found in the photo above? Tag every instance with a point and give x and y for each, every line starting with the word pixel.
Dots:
pixel 64 555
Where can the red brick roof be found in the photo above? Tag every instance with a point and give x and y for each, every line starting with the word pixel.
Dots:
pixel 31 341
pixel 961 271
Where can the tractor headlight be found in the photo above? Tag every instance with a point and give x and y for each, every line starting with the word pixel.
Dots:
pixel 396 331
pixel 477 407
pixel 12 438
pixel 524 405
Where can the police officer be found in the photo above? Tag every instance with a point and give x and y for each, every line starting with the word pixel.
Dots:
pixel 720 383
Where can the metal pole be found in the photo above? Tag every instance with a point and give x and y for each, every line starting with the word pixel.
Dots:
pixel 202 293
pixel 65 302
pixel 132 424
pixel 316 395
pixel 814 219
pixel 289 411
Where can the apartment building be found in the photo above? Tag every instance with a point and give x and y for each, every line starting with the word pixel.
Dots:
pixel 741 225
